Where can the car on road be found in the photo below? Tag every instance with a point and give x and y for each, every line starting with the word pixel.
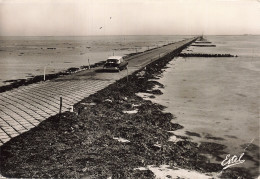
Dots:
pixel 115 63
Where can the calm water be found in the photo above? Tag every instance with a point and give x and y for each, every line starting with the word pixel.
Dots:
pixel 24 57
pixel 218 98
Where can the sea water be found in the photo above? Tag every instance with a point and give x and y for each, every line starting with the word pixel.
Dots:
pixel 25 57
pixel 217 99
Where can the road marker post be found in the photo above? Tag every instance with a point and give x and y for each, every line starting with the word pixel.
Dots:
pixel 60 106
pixel 88 64
pixel 44 70
pixel 44 73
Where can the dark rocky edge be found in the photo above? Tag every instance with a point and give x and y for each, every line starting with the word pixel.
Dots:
pixel 202 42
pixel 197 45
pixel 205 55
pixel 81 144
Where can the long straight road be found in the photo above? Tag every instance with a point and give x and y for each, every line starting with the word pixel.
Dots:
pixel 25 107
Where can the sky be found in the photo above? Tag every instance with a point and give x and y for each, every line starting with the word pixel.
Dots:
pixel 128 17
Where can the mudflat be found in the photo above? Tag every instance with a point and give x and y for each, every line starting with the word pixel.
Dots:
pixel 218 99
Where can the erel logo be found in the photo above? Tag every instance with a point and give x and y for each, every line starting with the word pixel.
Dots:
pixel 230 161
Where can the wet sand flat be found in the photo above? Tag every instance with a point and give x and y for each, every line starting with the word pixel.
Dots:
pixel 218 98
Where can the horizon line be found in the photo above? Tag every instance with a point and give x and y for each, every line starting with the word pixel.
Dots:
pixel 129 35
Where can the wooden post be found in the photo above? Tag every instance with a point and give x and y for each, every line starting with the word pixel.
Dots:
pixel 71 109
pixel 60 106
pixel 44 73
pixel 88 64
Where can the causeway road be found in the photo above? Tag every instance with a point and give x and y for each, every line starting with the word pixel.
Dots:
pixel 25 107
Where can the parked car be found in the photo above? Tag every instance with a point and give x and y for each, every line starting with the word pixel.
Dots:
pixel 115 63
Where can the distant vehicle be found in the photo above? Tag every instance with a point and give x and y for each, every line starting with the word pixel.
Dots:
pixel 115 63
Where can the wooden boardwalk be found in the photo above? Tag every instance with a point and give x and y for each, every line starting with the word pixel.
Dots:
pixel 25 107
